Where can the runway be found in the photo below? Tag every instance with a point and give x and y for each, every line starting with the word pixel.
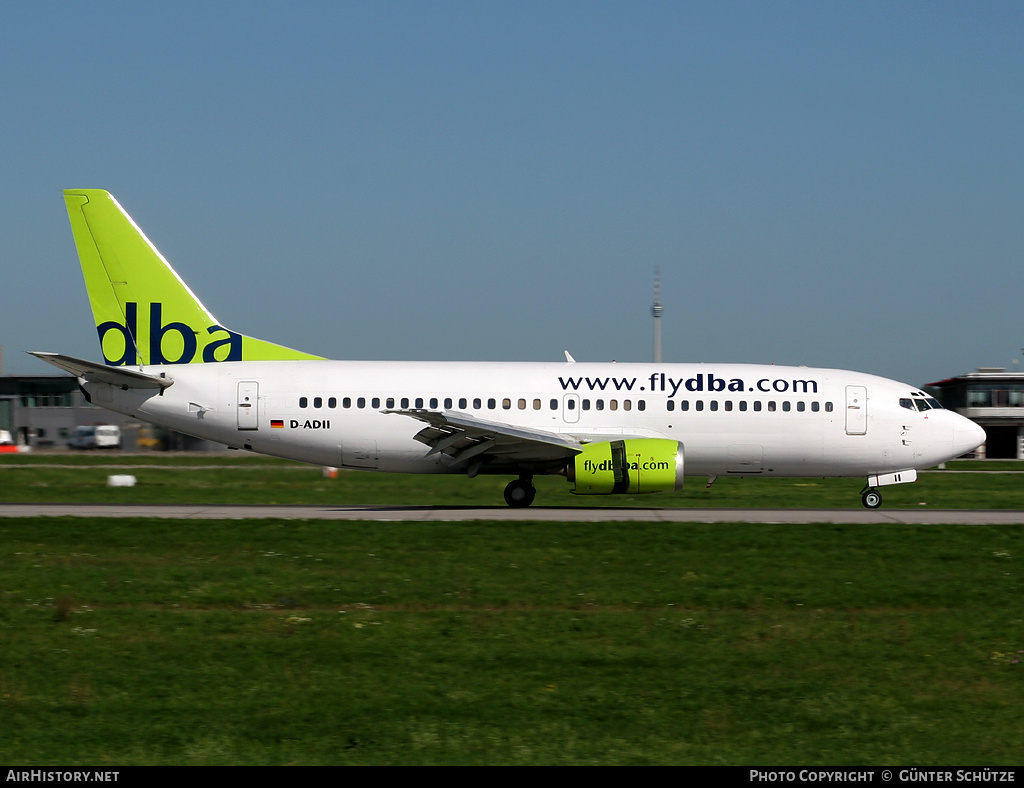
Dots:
pixel 504 514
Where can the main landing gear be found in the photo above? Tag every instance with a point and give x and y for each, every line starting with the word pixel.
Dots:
pixel 520 492
pixel 871 498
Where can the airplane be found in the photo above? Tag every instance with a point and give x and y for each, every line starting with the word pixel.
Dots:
pixel 608 428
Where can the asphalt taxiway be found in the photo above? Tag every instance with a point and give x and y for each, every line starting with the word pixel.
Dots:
pixel 504 514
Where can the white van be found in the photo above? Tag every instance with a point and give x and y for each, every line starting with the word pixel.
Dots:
pixel 102 436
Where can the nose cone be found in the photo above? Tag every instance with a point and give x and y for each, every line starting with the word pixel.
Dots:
pixel 967 436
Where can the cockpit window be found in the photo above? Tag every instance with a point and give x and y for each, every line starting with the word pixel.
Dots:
pixel 920 402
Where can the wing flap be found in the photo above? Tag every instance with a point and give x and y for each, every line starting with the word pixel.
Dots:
pixel 462 437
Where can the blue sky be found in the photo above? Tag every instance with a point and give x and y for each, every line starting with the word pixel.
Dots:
pixel 822 183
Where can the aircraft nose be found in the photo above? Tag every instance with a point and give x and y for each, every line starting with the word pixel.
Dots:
pixel 967 436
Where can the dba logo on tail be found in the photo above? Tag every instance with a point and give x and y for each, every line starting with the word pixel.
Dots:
pixel 168 343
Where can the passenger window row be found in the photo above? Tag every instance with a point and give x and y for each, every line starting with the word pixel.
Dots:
pixel 800 406
pixel 419 403
pixel 506 403
pixel 478 403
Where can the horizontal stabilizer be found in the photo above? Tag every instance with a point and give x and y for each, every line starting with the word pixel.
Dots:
pixel 101 373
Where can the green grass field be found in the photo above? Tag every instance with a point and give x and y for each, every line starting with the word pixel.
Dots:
pixel 298 642
pixel 245 478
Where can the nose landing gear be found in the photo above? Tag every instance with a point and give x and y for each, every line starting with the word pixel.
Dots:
pixel 871 498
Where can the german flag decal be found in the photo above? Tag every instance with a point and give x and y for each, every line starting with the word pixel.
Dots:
pixel 277 424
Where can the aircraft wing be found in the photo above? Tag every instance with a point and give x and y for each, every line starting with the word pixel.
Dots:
pixel 464 437
pixel 101 373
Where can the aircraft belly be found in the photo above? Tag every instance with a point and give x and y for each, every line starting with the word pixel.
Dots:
pixel 799 451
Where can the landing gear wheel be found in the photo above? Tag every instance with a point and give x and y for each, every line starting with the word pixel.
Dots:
pixel 519 493
pixel 871 499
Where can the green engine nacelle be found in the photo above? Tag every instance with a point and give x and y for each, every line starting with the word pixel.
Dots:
pixel 639 465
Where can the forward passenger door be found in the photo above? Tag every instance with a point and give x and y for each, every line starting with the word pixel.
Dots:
pixel 856 410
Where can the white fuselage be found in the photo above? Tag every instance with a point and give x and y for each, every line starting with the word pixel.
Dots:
pixel 743 419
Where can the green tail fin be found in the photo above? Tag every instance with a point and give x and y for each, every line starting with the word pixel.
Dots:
pixel 145 314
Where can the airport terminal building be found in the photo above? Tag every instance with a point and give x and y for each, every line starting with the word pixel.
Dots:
pixel 43 411
pixel 994 399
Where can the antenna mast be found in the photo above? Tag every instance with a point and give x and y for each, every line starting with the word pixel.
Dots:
pixel 656 313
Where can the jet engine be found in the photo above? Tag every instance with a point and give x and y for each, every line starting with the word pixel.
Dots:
pixel 636 465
